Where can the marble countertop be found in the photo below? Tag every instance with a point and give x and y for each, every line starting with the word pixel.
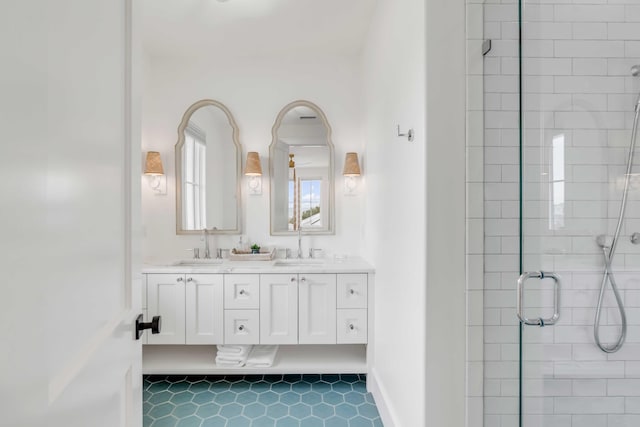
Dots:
pixel 306 265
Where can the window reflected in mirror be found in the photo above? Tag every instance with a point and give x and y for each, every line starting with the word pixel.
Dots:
pixel 194 155
pixel 305 201
pixel 301 161
pixel 208 159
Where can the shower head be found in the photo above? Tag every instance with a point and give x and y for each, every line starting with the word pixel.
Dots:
pixel 603 241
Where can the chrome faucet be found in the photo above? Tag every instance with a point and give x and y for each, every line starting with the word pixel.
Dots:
pixel 205 237
pixel 313 252
pixel 299 241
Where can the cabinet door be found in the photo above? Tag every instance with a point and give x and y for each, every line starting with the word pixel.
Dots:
pixel 278 309
pixel 165 297
pixel 204 309
pixel 317 309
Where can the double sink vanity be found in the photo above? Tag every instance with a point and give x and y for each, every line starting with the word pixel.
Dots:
pixel 318 311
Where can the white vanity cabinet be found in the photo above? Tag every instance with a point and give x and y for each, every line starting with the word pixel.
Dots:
pixel 191 307
pixel 319 316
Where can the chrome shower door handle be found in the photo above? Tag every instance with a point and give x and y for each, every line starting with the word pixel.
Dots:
pixel 540 321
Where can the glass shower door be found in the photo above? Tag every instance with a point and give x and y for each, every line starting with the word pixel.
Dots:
pixel 576 110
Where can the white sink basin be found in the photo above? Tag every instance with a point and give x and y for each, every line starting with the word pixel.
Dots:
pixel 299 263
pixel 198 262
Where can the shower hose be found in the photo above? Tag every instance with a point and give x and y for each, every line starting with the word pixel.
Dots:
pixel 608 253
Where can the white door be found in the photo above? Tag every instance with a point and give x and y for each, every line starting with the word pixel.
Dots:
pixel 278 309
pixel 69 191
pixel 317 309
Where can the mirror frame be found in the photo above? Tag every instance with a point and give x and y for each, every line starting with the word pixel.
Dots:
pixel 274 138
pixel 178 155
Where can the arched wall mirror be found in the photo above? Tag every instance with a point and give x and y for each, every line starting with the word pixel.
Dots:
pixel 301 168
pixel 208 162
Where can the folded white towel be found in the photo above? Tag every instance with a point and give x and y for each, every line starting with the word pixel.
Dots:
pixel 223 359
pixel 228 349
pixel 262 356
pixel 230 359
pixel 230 364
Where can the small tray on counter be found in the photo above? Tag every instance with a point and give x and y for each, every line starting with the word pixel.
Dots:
pixel 264 255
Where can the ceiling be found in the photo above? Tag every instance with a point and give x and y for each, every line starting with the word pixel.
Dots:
pixel 250 28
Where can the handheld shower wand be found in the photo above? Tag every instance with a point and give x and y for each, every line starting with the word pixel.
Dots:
pixel 609 251
pixel 635 72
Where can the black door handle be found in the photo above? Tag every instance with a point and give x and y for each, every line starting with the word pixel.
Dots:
pixel 154 325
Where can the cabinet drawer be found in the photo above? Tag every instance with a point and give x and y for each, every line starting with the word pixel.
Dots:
pixel 352 291
pixel 352 326
pixel 242 291
pixel 241 326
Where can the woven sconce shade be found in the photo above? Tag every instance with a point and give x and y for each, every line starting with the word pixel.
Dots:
pixel 351 165
pixel 253 167
pixel 153 164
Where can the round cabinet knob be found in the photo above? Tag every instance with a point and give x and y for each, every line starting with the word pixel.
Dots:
pixel 179 279
pixel 351 326
pixel 189 279
pixel 241 328
pixel 293 279
pixel 352 292
pixel 242 292
pixel 303 279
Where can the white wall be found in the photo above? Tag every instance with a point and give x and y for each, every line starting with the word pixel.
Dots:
pixel 446 280
pixel 394 69
pixel 254 90
pixel 419 383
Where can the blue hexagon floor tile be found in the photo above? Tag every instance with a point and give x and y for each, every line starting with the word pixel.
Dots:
pixel 259 401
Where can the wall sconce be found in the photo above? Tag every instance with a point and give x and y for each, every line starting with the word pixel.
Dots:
pixel 351 173
pixel 155 173
pixel 253 170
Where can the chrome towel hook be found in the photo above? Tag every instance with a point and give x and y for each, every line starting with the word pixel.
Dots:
pixel 408 134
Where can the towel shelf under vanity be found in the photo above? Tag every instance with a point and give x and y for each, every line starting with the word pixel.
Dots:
pixel 291 359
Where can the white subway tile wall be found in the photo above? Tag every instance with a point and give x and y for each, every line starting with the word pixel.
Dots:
pixel 579 96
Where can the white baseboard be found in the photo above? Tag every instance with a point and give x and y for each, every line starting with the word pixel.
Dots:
pixel 379 395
